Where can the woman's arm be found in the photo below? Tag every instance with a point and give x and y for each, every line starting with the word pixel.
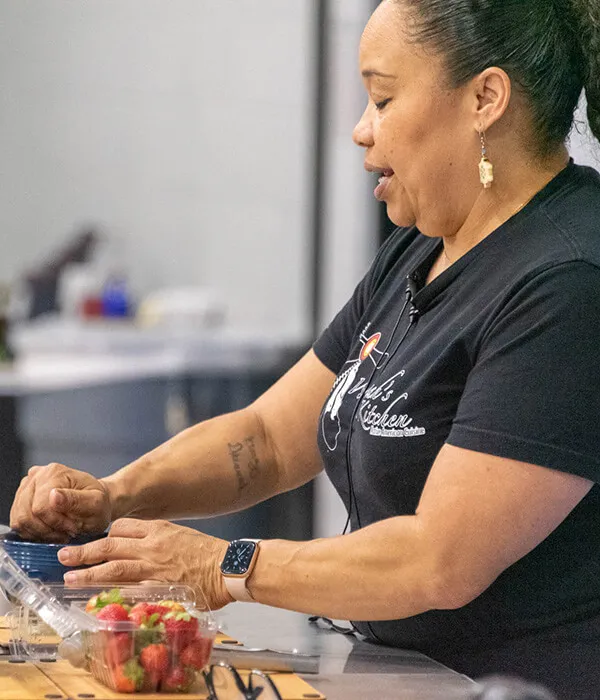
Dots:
pixel 478 514
pixel 218 466
pixel 233 461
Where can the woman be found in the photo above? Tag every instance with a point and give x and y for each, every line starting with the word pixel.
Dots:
pixel 461 428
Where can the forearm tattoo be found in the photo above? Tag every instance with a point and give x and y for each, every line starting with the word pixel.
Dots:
pixel 245 461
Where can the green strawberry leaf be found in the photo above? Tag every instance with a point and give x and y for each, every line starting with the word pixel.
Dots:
pixel 144 637
pixel 108 598
pixel 134 672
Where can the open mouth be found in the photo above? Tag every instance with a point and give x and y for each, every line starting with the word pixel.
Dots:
pixel 384 181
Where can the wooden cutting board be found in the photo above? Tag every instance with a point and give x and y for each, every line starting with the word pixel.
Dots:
pixel 26 682
pixel 74 683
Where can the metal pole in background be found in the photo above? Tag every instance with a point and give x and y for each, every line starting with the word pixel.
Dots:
pixel 321 16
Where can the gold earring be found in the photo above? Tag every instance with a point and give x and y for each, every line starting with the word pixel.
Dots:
pixel 486 169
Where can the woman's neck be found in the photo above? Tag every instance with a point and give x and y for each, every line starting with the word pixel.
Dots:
pixel 514 187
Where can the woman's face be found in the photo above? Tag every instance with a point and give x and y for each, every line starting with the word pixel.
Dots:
pixel 416 130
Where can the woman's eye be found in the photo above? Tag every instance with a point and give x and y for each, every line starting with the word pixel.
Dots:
pixel 380 105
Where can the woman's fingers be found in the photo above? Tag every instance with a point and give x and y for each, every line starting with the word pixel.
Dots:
pixel 55 500
pixel 120 571
pixel 27 517
pixel 130 527
pixel 106 549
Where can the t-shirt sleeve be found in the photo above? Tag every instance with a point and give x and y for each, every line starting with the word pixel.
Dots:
pixel 534 391
pixel 334 343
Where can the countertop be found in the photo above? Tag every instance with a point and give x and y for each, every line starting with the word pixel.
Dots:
pixel 349 669
pixel 58 354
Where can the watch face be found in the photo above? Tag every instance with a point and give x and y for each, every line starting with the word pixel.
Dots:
pixel 238 558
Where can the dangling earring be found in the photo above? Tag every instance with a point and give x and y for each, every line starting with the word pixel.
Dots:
pixel 486 169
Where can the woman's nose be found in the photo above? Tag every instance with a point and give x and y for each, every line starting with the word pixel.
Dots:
pixel 363 131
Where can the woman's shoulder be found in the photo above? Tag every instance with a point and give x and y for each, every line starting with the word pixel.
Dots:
pixel 574 212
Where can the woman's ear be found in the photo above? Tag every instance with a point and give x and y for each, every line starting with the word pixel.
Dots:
pixel 492 91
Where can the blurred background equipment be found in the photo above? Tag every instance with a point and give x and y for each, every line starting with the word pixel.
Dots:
pixel 42 282
pixel 506 688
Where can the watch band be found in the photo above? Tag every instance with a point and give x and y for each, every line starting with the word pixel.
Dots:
pixel 236 585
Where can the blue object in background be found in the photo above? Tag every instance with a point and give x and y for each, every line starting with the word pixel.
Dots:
pixel 40 559
pixel 115 298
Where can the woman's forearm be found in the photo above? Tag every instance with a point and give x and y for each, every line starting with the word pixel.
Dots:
pixel 221 465
pixel 384 571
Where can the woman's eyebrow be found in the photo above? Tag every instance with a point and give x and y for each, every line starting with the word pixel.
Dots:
pixel 369 73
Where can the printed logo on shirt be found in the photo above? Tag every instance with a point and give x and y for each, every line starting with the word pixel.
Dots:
pixel 380 411
pixel 375 411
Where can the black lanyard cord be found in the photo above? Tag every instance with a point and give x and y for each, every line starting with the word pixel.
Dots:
pixel 413 315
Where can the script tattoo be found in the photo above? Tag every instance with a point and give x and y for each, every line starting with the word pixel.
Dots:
pixel 235 449
pixel 240 452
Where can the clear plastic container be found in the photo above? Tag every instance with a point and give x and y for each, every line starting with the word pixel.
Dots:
pixel 166 651
pixel 34 640
pixel 168 658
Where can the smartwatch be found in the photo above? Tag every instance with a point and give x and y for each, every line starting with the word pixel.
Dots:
pixel 236 567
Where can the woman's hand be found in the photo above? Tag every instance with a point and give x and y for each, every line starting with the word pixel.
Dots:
pixel 140 550
pixel 56 502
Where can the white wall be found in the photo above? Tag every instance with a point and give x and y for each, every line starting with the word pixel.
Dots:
pixel 183 126
pixel 584 148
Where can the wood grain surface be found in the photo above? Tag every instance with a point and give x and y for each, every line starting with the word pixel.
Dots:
pixel 26 682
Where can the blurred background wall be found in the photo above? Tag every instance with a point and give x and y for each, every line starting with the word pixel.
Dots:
pixel 183 127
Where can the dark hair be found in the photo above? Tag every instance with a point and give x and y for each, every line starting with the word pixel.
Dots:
pixel 549 48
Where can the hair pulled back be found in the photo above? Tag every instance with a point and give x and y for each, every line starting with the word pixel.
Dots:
pixel 549 48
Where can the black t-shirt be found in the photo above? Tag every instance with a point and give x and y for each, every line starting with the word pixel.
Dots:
pixel 499 354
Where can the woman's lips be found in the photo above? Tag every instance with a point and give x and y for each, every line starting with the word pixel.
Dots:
pixel 384 182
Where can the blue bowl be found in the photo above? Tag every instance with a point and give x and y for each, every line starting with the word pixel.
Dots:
pixel 40 559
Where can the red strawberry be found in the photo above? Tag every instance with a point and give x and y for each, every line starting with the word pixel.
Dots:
pixel 181 629
pixel 141 613
pixel 101 600
pixel 119 648
pixel 197 653
pixel 155 659
pixel 122 683
pixel 113 612
pixel 129 677
pixel 178 680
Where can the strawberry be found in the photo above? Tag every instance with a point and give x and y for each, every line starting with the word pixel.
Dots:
pixel 197 653
pixel 141 613
pixel 92 605
pixel 177 680
pixel 181 629
pixel 129 677
pixel 113 612
pixel 101 600
pixel 154 659
pixel 172 605
pixel 119 648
